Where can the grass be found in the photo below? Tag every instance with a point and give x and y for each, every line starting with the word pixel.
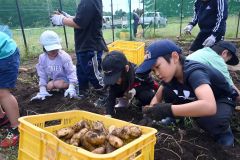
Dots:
pixel 172 30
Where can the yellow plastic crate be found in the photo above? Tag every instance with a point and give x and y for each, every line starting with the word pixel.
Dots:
pixel 37 141
pixel 134 51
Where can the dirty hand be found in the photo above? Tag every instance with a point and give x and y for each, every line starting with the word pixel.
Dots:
pixel 188 29
pixel 57 19
pixel 42 94
pixel 209 41
pixel 71 91
pixel 158 111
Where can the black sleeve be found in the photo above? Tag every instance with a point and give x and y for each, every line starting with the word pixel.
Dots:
pixel 114 93
pixel 145 79
pixel 197 78
pixel 195 14
pixel 85 13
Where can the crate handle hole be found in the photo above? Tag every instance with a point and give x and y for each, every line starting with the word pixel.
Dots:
pixel 52 123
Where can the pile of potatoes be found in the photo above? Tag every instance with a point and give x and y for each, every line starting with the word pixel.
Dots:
pixel 96 138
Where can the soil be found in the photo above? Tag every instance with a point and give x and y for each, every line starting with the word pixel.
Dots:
pixel 173 143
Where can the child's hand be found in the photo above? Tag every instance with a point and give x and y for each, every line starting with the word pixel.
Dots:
pixel 42 94
pixel 71 91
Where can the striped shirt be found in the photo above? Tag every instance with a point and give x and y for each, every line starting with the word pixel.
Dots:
pixel 210 16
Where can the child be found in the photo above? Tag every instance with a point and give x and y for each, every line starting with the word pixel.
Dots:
pixel 219 56
pixel 119 75
pixel 189 89
pixel 55 68
pixel 9 64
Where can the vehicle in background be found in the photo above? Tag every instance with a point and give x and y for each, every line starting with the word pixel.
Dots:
pixel 151 17
pixel 117 23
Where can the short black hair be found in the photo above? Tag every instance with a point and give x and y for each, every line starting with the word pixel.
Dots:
pixel 167 57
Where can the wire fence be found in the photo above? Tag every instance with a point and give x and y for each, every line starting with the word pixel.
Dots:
pixel 29 18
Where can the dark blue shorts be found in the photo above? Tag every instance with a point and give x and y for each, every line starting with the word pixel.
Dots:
pixel 9 70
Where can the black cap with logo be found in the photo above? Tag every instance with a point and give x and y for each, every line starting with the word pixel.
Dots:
pixel 113 64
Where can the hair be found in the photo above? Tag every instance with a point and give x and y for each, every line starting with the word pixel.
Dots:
pixel 168 57
pixel 127 77
pixel 219 50
pixel 44 50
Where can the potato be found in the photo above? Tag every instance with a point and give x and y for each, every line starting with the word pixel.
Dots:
pixel 115 141
pixel 99 150
pixel 95 138
pixel 125 133
pixel 75 140
pixel 86 145
pixel 111 129
pixel 65 132
pixel 117 132
pixel 135 131
pixel 80 125
pixel 99 127
pixel 109 147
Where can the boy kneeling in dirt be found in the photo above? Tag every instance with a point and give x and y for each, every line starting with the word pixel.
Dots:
pixel 119 75
pixel 189 89
pixel 55 68
pixel 9 64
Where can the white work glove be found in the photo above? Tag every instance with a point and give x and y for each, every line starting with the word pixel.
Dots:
pixel 57 19
pixel 71 91
pixel 131 94
pixel 66 14
pixel 42 94
pixel 209 41
pixel 188 29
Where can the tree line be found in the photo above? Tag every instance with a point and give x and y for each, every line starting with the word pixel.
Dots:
pixel 35 13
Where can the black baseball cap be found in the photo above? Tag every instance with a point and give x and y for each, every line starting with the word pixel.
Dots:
pixel 113 64
pixel 232 49
pixel 157 49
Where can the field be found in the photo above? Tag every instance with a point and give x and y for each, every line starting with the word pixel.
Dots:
pixel 172 30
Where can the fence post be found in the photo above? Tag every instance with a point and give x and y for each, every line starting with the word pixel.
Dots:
pixel 21 24
pixel 143 26
pixel 181 14
pixel 238 25
pixel 112 20
pixel 64 29
pixel 130 12
pixel 154 22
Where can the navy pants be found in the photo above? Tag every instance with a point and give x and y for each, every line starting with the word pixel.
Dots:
pixel 135 26
pixel 201 37
pixel 89 69
pixel 216 124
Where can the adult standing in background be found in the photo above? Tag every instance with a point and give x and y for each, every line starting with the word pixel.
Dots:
pixel 135 23
pixel 89 42
pixel 211 16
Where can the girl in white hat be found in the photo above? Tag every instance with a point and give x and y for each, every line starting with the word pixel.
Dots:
pixel 55 67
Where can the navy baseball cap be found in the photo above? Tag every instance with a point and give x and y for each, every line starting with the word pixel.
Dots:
pixel 113 64
pixel 232 49
pixel 157 49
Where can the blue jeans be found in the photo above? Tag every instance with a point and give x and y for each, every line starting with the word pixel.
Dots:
pixel 9 70
pixel 89 69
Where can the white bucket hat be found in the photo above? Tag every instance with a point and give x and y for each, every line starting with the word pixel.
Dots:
pixel 50 40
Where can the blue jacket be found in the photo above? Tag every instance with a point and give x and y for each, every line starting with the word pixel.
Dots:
pixel 211 16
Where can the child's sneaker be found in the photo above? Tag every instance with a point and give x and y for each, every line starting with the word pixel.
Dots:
pixel 4 121
pixel 11 138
